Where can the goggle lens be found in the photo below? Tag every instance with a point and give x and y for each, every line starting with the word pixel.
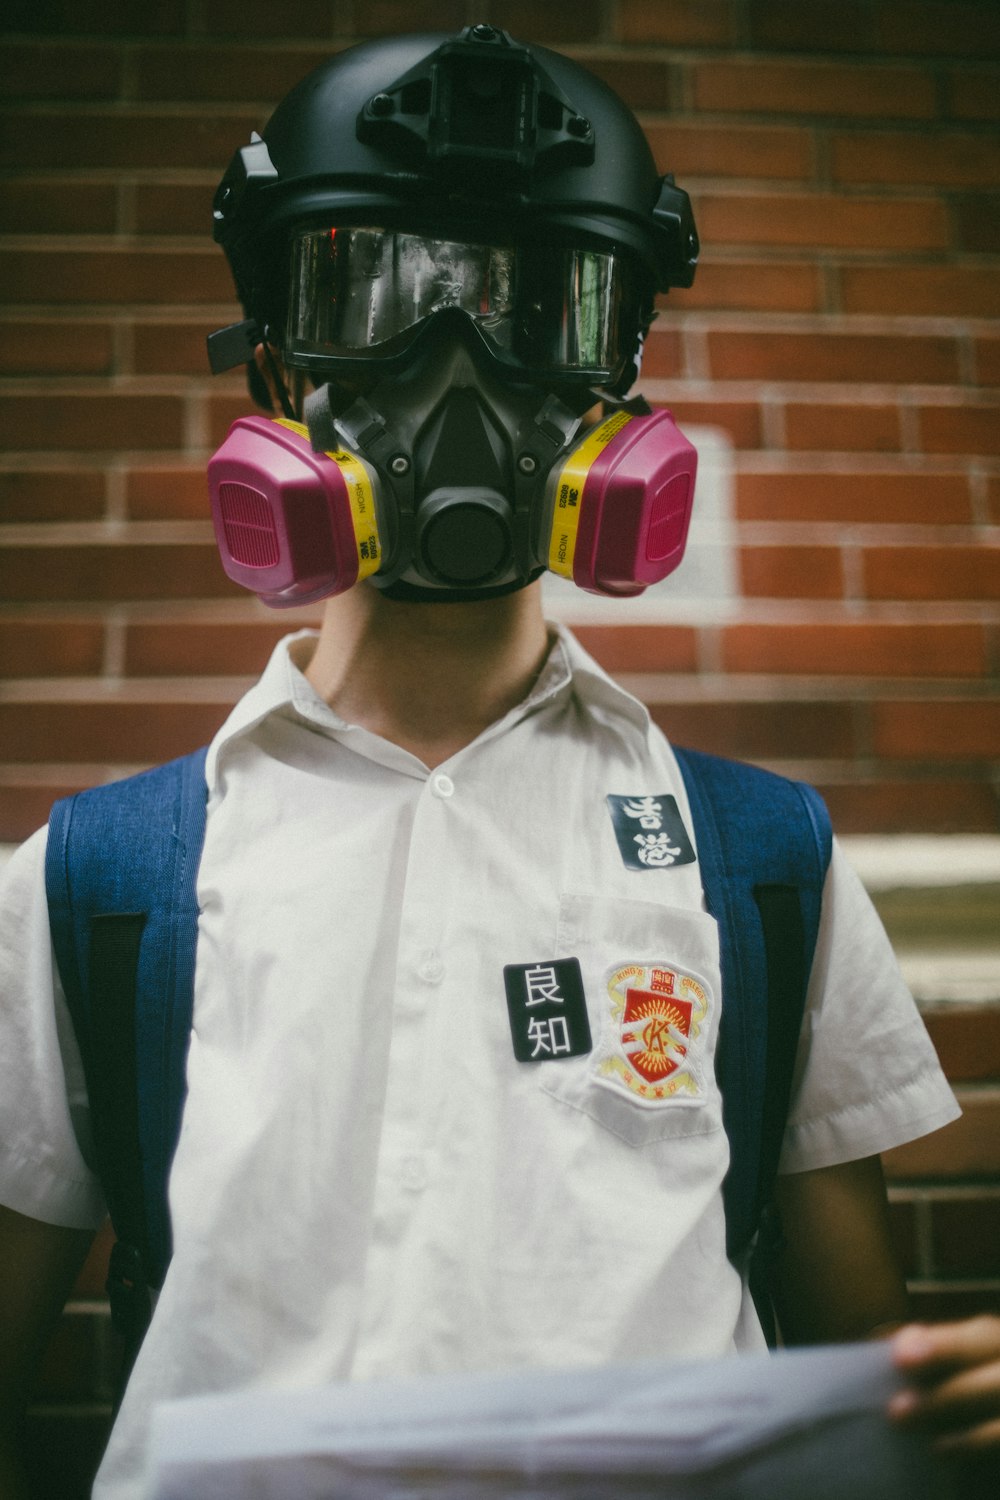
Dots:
pixel 361 293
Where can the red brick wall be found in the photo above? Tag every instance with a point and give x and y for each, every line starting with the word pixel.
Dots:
pixel 845 165
pixel 844 160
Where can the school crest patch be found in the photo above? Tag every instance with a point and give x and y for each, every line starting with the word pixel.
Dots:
pixel 656 1017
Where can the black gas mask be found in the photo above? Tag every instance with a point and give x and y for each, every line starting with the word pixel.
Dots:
pixel 444 452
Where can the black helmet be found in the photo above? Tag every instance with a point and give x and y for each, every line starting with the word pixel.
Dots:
pixel 472 139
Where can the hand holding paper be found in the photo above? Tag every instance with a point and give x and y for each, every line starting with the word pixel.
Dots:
pixel 809 1422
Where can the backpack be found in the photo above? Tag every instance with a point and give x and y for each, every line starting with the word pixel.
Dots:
pixel 121 867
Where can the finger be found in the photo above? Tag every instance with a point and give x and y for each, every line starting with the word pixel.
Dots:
pixel 921 1348
pixel 962 1399
pixel 984 1438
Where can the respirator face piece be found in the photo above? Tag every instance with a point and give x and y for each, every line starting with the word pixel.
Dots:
pixel 457 241
pixel 445 482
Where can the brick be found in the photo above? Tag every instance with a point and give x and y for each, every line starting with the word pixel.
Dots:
pixel 183 649
pixel 55 206
pixel 677 23
pixel 953 729
pixel 526 20
pixel 902 1228
pixel 751 286
pixel 738 355
pixel 223 411
pixel 243 18
pixel 389 17
pixel 823 25
pixel 172 348
pixel 954 571
pixel 755 86
pixel 941 159
pixel 108 733
pixel 115 275
pixel 988 360
pixel 50 648
pixel 842 427
pixel 921 291
pixel 927 805
pixel 229 74
pixel 937 27
pixel 95 17
pixel 662 355
pixel 753 151
pixel 52 495
pixel 89 422
pixel 113 571
pixel 976 218
pixel 740 419
pixel 173 208
pixel 869 649
pixel 760 731
pixel 36 137
pixel 815 220
pixel 849 496
pixel 968 1147
pixel 967 1041
pixel 168 494
pixel 25 806
pixel 966 1236
pixel 37 347
pixel 641 648
pixel 791 572
pixel 34 70
pixel 941 1303
pixel 644 83
pixel 973 93
pixel 960 429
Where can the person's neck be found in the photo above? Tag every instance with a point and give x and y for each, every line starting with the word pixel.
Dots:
pixel 428 677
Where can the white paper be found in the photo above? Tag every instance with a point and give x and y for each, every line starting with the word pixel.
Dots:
pixel 808 1423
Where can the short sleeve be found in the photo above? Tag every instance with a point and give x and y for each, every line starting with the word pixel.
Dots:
pixel 44 1124
pixel 866 1075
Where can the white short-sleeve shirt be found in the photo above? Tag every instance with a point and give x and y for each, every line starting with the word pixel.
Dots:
pixel 368 1182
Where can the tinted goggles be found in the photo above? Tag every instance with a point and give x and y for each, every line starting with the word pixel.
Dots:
pixel 363 294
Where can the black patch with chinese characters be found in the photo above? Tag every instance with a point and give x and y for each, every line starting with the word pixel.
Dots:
pixel 650 831
pixel 547 1009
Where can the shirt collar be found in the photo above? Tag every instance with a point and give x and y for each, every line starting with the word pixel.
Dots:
pixel 592 685
pixel 283 688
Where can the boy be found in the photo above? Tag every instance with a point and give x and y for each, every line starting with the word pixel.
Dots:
pixel 451 1088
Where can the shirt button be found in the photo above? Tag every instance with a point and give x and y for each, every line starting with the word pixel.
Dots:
pixel 443 785
pixel 431 971
pixel 414 1174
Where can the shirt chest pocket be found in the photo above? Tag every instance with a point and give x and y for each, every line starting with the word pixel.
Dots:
pixel 651 982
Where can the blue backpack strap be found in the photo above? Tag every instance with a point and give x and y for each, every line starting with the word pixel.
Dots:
pixel 764 846
pixel 120 873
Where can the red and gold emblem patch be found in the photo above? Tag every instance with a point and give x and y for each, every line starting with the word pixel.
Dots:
pixel 657 1015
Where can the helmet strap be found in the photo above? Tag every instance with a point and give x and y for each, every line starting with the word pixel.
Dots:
pixel 287 410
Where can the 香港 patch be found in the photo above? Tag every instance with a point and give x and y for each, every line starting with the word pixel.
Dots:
pixel 650 831
pixel 654 1034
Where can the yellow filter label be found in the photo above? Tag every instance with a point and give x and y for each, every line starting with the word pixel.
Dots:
pixel 361 498
pixel 569 491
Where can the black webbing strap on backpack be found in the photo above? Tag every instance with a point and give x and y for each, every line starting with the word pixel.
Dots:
pixel 764 846
pixel 120 876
